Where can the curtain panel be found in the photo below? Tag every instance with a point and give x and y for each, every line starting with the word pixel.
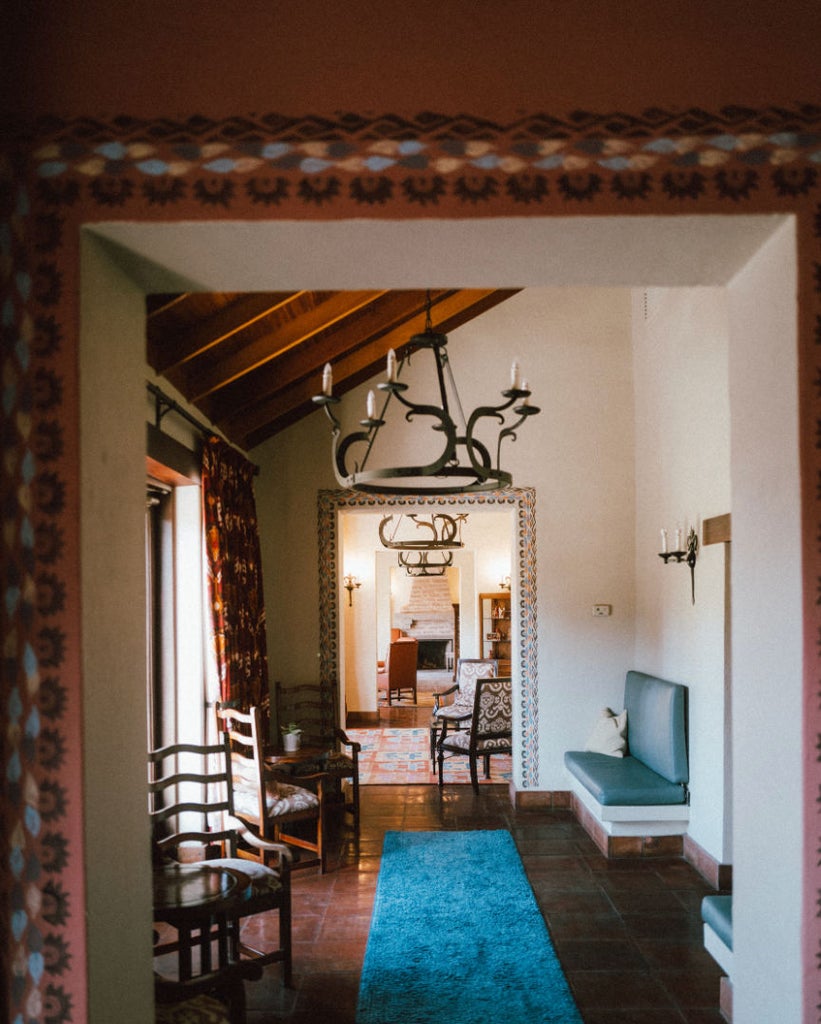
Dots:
pixel 234 570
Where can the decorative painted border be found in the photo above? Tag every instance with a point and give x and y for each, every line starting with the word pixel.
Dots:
pixel 57 174
pixel 523 501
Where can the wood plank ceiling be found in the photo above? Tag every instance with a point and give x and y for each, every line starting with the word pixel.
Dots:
pixel 250 363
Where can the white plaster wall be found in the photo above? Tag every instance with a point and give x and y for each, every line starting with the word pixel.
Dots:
pixel 112 559
pixel 574 347
pixel 683 476
pixel 767 638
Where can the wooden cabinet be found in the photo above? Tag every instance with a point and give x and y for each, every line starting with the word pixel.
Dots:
pixel 494 623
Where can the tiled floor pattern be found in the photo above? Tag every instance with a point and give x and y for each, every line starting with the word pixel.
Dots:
pixel 402 757
pixel 628 933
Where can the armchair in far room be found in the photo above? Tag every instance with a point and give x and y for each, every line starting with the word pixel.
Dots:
pixel 455 705
pixel 398 672
pixel 490 732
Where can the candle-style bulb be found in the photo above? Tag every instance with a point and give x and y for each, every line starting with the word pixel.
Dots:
pixel 391 366
pixel 525 387
pixel 664 542
pixel 370 406
pixel 327 379
pixel 514 375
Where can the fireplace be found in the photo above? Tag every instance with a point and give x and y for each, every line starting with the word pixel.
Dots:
pixel 435 653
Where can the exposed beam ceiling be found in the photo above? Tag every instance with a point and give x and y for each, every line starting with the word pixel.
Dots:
pixel 251 362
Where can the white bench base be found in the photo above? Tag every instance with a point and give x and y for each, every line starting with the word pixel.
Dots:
pixel 628 820
pixel 718 950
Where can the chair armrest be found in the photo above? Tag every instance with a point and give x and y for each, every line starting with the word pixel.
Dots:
pixel 260 844
pixel 443 693
pixel 342 736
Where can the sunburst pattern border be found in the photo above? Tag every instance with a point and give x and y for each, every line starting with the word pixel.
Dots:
pixel 522 501
pixel 57 174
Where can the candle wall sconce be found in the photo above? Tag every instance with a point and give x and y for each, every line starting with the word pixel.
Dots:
pixel 351 584
pixel 688 554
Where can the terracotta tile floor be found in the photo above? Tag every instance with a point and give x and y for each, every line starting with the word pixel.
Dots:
pixel 628 933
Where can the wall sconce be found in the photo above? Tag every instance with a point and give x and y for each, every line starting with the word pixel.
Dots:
pixel 351 584
pixel 504 583
pixel 682 554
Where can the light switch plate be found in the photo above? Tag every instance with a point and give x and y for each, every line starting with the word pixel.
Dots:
pixel 601 610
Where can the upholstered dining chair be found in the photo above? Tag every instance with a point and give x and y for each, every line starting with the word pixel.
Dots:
pixel 266 800
pixel 397 674
pixel 490 732
pixel 338 756
pixel 455 705
pixel 191 809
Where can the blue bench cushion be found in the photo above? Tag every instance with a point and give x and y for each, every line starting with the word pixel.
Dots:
pixel 617 781
pixel 717 912
pixel 656 733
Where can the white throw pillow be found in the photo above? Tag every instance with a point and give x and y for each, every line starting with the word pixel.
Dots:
pixel 609 734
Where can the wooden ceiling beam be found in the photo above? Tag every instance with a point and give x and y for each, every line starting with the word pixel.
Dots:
pixel 170 347
pixel 253 422
pixel 393 310
pixel 252 349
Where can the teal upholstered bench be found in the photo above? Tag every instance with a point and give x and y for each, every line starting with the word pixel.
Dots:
pixel 644 793
pixel 717 918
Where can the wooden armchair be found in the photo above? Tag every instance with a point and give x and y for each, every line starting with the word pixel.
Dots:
pixel 339 760
pixel 398 672
pixel 455 705
pixel 491 729
pixel 191 802
pixel 267 801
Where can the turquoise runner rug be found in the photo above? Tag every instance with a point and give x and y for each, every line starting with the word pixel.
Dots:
pixel 457 937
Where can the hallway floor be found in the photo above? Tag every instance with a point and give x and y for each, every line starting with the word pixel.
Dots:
pixel 628 933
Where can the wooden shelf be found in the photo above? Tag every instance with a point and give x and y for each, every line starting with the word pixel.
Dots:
pixel 495 626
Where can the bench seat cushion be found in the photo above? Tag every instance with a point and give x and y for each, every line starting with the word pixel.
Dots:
pixel 717 912
pixel 614 781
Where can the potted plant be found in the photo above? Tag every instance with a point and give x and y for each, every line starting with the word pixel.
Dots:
pixel 290 737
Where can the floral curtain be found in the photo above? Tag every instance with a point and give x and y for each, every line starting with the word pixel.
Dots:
pixel 234 571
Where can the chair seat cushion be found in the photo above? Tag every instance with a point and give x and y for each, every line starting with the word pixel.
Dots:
pixel 264 880
pixel 201 1009
pixel 615 781
pixel 280 798
pixel 460 743
pixel 455 712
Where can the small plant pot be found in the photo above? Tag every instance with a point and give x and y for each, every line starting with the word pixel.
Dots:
pixel 290 742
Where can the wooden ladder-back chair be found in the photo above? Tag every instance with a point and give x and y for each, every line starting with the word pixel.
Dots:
pixel 191 811
pixel 491 729
pixel 455 705
pixel 267 801
pixel 338 756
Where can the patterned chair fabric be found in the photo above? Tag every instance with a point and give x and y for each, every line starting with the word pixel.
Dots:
pixel 280 798
pixel 491 728
pixel 462 694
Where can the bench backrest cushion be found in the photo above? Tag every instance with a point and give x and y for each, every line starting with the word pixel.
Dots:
pixel 656 729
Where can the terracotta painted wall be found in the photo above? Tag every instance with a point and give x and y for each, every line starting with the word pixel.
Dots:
pixel 719 113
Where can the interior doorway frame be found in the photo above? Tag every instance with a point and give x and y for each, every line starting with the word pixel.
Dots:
pixel 524 667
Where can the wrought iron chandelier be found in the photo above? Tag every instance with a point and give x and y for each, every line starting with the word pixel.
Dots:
pixel 423 563
pixel 463 465
pixel 440 532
